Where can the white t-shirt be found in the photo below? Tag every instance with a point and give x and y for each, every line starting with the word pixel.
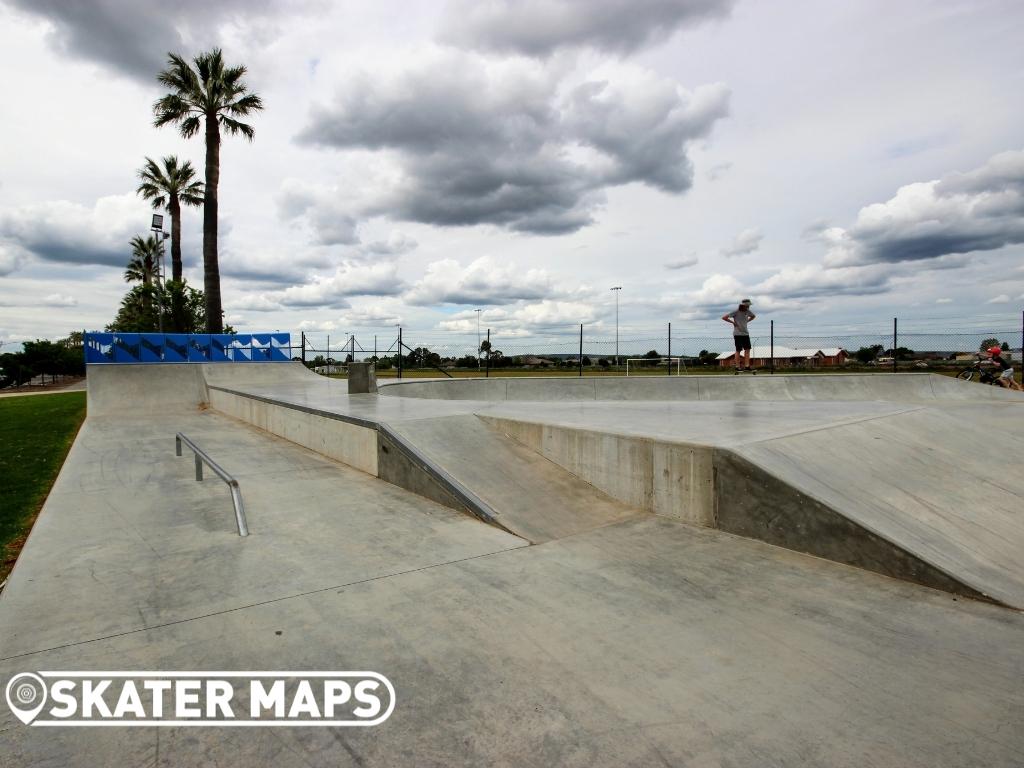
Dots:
pixel 740 318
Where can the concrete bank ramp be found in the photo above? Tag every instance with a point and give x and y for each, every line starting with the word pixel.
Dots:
pixel 520 490
pixel 127 389
pixel 931 482
pixel 903 387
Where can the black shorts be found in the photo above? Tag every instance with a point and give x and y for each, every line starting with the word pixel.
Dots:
pixel 742 342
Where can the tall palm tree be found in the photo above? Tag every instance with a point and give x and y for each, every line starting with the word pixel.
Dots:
pixel 143 267
pixel 169 187
pixel 144 263
pixel 210 96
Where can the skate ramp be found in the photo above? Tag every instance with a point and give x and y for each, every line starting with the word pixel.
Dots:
pixel 138 390
pixel 506 482
pixel 904 387
pixel 135 389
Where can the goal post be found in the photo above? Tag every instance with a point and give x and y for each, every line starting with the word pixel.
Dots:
pixel 639 362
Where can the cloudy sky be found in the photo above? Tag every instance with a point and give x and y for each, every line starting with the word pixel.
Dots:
pixel 838 162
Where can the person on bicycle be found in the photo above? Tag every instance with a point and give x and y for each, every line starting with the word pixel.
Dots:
pixel 740 334
pixel 1006 377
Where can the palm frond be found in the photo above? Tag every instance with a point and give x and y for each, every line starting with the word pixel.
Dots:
pixel 170 109
pixel 190 126
pixel 245 105
pixel 236 126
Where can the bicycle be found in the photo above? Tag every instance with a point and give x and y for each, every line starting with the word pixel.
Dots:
pixel 984 376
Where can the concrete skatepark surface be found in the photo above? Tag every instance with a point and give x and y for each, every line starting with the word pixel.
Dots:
pixel 620 627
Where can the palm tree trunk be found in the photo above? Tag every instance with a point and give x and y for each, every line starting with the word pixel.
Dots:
pixel 177 308
pixel 175 209
pixel 211 269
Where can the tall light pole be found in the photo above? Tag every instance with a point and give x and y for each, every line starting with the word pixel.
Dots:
pixel 157 227
pixel 478 311
pixel 616 289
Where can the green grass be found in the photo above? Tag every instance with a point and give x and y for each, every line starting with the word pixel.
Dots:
pixel 36 432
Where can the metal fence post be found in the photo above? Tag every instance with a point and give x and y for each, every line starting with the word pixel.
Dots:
pixel 581 349
pixel 488 374
pixel 771 351
pixel 303 347
pixel 670 349
pixel 895 339
pixel 399 351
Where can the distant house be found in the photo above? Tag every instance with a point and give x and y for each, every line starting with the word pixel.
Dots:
pixel 785 357
pixel 532 361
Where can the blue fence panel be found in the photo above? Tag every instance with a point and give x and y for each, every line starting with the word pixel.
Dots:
pixel 156 348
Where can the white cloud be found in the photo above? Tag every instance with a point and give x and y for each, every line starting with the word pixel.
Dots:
pixel 527 318
pixel 485 280
pixel 348 280
pixel 60 300
pixel 963 212
pixel 747 241
pixel 62 231
pixel 943 301
pixel 253 302
pixel 1002 298
pixel 813 280
pixel 321 209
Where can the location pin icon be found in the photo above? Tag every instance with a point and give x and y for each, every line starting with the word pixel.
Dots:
pixel 26 696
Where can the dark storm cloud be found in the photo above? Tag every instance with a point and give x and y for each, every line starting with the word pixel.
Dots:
pixel 540 27
pixel 980 210
pixel 482 141
pixel 134 36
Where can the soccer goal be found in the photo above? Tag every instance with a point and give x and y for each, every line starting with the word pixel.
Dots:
pixel 649 362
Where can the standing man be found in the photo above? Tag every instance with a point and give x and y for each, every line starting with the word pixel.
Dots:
pixel 740 335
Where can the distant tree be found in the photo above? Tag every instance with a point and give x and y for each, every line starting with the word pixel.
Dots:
pixel 865 355
pixel 653 354
pixel 138 311
pixel 1005 347
pixel 170 186
pixel 142 268
pixel 603 362
pixel 586 360
pixel 707 358
pixel 988 343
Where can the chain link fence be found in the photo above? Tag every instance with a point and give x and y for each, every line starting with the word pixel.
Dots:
pixel 579 350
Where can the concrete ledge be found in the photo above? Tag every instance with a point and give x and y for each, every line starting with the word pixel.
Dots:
pixel 901 387
pixel 335 438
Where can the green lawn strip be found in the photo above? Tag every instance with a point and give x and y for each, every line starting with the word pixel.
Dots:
pixel 36 433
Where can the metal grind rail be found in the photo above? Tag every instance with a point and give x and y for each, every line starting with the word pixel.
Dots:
pixel 201 458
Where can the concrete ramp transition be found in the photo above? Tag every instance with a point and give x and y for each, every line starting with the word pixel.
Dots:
pixel 516 488
pixel 930 483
